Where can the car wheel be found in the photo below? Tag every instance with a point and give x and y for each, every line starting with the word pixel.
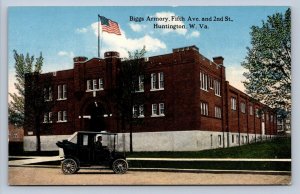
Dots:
pixel 69 166
pixel 120 166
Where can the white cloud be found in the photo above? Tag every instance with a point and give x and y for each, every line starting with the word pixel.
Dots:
pixel 137 27
pixel 193 34
pixel 234 74
pixel 122 44
pixel 81 30
pixel 66 54
pixel 169 16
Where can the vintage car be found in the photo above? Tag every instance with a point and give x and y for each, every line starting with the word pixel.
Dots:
pixel 82 150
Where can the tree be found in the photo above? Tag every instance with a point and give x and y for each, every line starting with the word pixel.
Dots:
pixel 131 71
pixel 35 104
pixel 268 62
pixel 23 65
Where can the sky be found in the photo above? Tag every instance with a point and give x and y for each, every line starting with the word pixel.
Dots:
pixel 61 33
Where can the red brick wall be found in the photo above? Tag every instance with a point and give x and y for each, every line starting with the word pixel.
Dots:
pixel 182 96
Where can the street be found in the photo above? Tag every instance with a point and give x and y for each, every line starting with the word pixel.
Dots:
pixel 54 176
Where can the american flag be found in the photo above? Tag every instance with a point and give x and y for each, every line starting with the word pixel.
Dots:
pixel 109 26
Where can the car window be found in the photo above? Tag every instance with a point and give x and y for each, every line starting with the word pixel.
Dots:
pixel 85 140
pixel 74 139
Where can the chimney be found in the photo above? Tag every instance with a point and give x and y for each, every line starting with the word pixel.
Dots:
pixel 79 59
pixel 218 60
pixel 111 54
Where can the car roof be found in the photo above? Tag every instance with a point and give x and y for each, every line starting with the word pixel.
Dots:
pixel 96 133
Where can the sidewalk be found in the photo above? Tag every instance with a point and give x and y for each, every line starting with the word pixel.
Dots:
pixel 25 160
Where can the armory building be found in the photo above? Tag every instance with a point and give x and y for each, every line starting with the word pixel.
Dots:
pixel 191 106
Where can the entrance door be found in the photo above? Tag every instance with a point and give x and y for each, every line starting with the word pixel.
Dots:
pixel 95 120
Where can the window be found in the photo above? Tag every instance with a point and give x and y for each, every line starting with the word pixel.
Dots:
pixel 48 117
pixel 161 80
pixel 233 103
pixel 59 94
pixel 138 111
pixel 62 92
pixel 157 85
pixel 48 94
pixel 94 85
pixel 158 110
pixel 218 112
pixel 217 88
pixel 161 109
pixel 85 140
pixel 135 111
pixel 62 116
pixel 141 83
pixel 211 82
pixel 251 110
pixel 89 85
pixel 141 111
pixel 257 112
pixel 153 81
pixel 232 138
pixel 154 109
pixel 271 118
pixel 204 108
pixel 243 107
pixel 220 140
pixel 203 81
pixel 101 85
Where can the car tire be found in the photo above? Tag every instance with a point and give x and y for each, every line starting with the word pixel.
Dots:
pixel 120 166
pixel 69 166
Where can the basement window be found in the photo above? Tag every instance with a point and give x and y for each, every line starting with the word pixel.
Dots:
pixel 220 140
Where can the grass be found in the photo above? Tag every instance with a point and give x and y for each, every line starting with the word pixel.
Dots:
pixel 275 148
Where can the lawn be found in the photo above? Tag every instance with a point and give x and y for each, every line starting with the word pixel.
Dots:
pixel 276 148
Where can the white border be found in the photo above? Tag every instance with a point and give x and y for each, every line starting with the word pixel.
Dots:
pixel 4 188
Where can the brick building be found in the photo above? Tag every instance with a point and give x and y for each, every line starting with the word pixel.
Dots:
pixel 192 106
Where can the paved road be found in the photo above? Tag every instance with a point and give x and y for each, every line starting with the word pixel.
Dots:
pixel 54 176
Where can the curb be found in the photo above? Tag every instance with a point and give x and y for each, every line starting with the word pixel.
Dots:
pixel 212 171
pixel 173 170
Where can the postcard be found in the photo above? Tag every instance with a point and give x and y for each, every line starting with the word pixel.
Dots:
pixel 140 95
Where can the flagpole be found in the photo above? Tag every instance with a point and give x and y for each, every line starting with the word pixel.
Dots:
pixel 99 36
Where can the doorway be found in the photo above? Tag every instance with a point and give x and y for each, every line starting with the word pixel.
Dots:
pixel 94 118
